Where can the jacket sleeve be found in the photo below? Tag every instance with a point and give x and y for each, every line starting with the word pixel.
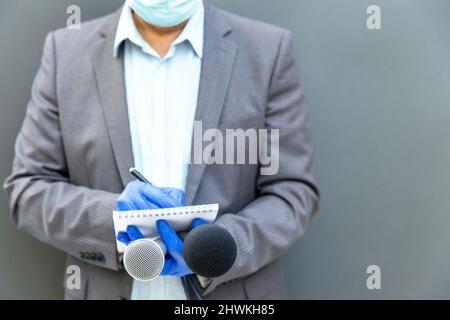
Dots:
pixel 268 226
pixel 43 202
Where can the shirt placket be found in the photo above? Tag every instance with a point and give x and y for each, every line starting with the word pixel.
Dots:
pixel 159 132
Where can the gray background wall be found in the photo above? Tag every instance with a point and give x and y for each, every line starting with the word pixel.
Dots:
pixel 379 103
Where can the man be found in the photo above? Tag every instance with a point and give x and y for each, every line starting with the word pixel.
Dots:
pixel 124 91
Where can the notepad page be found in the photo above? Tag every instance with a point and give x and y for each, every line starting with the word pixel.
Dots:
pixel 179 218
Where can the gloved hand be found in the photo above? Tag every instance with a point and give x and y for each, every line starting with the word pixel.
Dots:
pixel 174 264
pixel 143 196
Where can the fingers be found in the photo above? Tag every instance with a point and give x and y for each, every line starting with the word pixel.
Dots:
pixel 131 198
pixel 143 196
pixel 122 205
pixel 177 194
pixel 171 239
pixel 158 197
pixel 198 222
pixel 134 233
pixel 124 238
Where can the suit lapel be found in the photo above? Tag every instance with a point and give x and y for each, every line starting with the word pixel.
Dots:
pixel 109 73
pixel 217 66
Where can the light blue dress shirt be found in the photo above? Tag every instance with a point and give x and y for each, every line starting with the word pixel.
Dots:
pixel 162 96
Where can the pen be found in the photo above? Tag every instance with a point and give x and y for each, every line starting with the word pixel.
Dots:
pixel 138 175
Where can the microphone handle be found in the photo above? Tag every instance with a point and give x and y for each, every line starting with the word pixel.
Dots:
pixel 161 244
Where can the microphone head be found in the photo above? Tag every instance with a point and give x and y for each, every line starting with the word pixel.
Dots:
pixel 143 259
pixel 209 251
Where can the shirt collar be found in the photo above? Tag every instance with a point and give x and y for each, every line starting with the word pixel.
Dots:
pixel 193 32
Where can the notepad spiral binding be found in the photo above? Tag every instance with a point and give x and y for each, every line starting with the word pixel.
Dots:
pixel 167 212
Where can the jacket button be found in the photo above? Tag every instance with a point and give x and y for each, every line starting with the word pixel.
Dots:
pixel 100 258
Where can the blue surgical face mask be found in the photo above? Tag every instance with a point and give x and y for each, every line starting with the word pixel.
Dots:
pixel 164 13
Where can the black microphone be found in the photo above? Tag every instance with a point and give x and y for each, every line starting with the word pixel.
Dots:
pixel 209 250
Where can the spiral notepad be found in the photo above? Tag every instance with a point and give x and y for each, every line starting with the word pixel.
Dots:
pixel 179 218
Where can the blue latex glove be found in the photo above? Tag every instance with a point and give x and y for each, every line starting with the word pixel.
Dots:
pixel 143 196
pixel 174 264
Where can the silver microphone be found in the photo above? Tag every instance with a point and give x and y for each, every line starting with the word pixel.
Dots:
pixel 144 259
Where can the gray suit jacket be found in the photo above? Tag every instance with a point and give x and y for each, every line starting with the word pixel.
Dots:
pixel 74 151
